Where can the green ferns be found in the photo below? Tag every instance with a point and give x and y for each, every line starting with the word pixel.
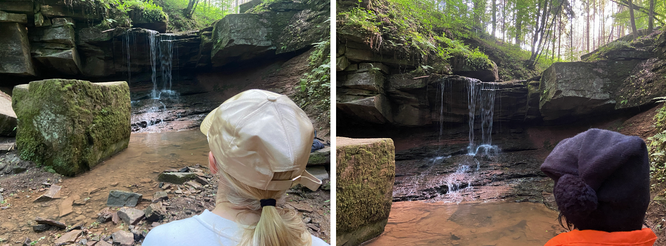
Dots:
pixel 408 28
pixel 314 88
pixel 147 10
pixel 657 147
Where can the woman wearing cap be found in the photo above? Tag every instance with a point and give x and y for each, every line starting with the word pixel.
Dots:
pixel 260 144
pixel 602 189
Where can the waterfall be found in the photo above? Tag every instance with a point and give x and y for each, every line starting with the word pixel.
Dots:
pixel 456 180
pixel 161 55
pixel 471 109
pixel 153 63
pixel 166 58
pixel 128 51
pixel 483 95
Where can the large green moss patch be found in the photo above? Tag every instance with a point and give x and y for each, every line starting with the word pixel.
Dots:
pixel 71 125
pixel 366 171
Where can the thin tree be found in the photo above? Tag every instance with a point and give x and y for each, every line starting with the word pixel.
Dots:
pixel 494 13
pixel 651 17
pixel 633 21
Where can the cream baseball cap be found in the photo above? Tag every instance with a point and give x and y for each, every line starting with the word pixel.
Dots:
pixel 258 133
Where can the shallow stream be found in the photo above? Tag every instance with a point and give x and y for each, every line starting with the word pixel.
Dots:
pixel 497 223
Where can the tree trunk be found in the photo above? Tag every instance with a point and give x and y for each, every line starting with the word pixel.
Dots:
pixel 191 5
pixel 494 16
pixel 651 17
pixel 633 21
pixel 587 27
pixel 571 35
pixel 559 40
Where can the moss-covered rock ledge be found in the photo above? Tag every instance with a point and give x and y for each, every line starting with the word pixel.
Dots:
pixel 71 125
pixel 366 171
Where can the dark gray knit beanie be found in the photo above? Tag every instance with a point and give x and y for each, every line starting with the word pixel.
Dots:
pixel 602 180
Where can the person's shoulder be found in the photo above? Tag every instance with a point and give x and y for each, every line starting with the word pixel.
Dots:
pixel 318 242
pixel 173 233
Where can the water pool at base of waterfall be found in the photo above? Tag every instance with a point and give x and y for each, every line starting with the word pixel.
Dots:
pixel 499 223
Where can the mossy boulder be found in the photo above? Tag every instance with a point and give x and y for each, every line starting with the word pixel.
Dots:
pixel 306 27
pixel 269 29
pixel 366 171
pixel 574 89
pixel 71 125
pixel 240 37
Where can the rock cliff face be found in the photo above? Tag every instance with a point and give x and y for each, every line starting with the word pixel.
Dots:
pixel 372 91
pixel 71 125
pixel 51 39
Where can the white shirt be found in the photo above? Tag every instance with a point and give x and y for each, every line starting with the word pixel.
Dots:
pixel 204 229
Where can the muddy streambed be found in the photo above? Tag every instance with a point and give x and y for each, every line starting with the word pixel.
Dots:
pixel 135 169
pixel 498 223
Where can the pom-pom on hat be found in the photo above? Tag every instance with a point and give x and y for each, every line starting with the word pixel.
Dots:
pixel 602 180
pixel 258 133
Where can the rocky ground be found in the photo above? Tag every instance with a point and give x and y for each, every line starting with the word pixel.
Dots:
pixel 42 210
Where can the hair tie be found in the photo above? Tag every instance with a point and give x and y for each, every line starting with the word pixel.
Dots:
pixel 267 202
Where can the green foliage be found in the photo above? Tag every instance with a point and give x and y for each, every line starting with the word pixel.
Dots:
pixel 657 147
pixel 511 59
pixel 426 28
pixel 205 14
pixel 314 88
pixel 602 52
pixel 640 17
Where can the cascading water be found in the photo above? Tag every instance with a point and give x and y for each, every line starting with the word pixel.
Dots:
pixel 483 95
pixel 153 63
pixel 161 47
pixel 481 100
pixel 166 59
pixel 161 55
pixel 127 50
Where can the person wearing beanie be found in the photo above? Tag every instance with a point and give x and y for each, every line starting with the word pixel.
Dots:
pixel 602 189
pixel 259 143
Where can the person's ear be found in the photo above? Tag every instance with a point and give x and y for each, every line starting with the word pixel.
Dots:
pixel 211 163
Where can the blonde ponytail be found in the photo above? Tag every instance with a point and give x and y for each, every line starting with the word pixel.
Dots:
pixel 276 226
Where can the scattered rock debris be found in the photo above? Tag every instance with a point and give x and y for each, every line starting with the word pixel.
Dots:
pixel 127 217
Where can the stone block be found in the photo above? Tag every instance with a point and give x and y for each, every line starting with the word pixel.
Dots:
pixel 371 80
pixel 64 61
pixel 24 7
pixel 320 157
pixel 118 198
pixel 123 238
pixel 71 125
pixel 240 37
pixel 15 18
pixel 574 89
pixel 131 216
pixel 366 172
pixel 176 177
pixel 63 34
pixel 15 53
pixel 7 116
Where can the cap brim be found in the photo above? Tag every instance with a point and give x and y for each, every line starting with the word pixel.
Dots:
pixel 207 122
pixel 310 181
